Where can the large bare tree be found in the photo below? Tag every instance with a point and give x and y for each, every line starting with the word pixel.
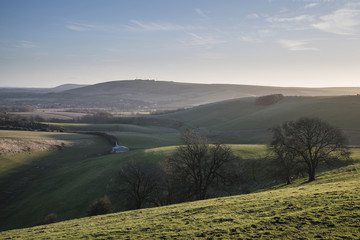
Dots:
pixel 310 139
pixel 197 164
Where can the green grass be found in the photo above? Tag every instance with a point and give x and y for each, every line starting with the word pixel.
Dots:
pixel 242 121
pixel 78 182
pixel 32 152
pixel 132 136
pixel 327 208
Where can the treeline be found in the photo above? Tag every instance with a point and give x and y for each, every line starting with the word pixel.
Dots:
pixel 16 108
pixel 105 117
pixel 16 122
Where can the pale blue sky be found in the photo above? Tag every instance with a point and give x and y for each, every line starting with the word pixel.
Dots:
pixel 312 43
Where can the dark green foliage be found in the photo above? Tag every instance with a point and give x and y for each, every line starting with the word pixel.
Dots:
pixel 269 99
pixel 100 206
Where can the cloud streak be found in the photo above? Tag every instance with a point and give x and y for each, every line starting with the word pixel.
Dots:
pixel 296 45
pixel 205 40
pixel 82 27
pixel 26 44
pixel 155 26
pixel 301 18
pixel 342 22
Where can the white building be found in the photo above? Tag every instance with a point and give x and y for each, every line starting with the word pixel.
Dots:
pixel 119 149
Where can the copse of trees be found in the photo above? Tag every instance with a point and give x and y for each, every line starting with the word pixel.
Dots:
pixel 269 99
pixel 307 141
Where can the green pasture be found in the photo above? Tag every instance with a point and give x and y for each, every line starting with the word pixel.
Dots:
pixel 244 114
pixel 78 179
pixel 8 163
pixel 325 209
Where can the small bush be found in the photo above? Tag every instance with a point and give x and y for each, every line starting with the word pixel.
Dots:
pixel 100 206
pixel 51 218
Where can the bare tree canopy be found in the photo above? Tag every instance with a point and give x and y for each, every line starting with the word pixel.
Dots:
pixel 309 139
pixel 140 183
pixel 197 164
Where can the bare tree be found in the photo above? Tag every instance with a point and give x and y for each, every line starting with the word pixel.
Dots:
pixel 140 182
pixel 196 164
pixel 311 140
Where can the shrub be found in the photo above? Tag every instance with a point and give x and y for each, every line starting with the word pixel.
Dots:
pixel 50 218
pixel 100 206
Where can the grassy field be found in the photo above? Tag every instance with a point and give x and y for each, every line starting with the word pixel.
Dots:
pixel 78 182
pixel 325 209
pixel 132 136
pixel 242 121
pixel 19 148
pixel 40 161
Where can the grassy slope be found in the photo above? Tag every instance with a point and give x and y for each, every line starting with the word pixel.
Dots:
pixel 27 180
pixel 242 119
pixel 132 136
pixel 78 183
pixel 327 208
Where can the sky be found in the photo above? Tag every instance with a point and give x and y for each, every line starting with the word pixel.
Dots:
pixel 299 43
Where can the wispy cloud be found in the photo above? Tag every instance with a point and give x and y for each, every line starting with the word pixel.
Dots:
pixel 200 12
pixel 296 45
pixel 300 18
pixel 89 27
pixel 26 44
pixel 311 5
pixel 253 16
pixel 250 39
pixel 204 40
pixel 155 26
pixel 343 22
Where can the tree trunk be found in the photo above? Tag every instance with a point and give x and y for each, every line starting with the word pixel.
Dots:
pixel 288 180
pixel 311 174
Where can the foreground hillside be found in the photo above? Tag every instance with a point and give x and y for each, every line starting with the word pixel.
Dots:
pixel 327 208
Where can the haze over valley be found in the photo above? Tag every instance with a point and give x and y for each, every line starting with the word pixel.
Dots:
pixel 179 119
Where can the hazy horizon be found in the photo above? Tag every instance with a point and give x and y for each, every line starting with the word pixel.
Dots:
pixel 299 43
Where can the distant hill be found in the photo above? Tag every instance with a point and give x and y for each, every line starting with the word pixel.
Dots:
pixel 59 88
pixel 132 95
pixel 65 87
pixel 192 94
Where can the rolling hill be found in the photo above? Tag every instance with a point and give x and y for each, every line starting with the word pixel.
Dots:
pixel 150 94
pixel 241 120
